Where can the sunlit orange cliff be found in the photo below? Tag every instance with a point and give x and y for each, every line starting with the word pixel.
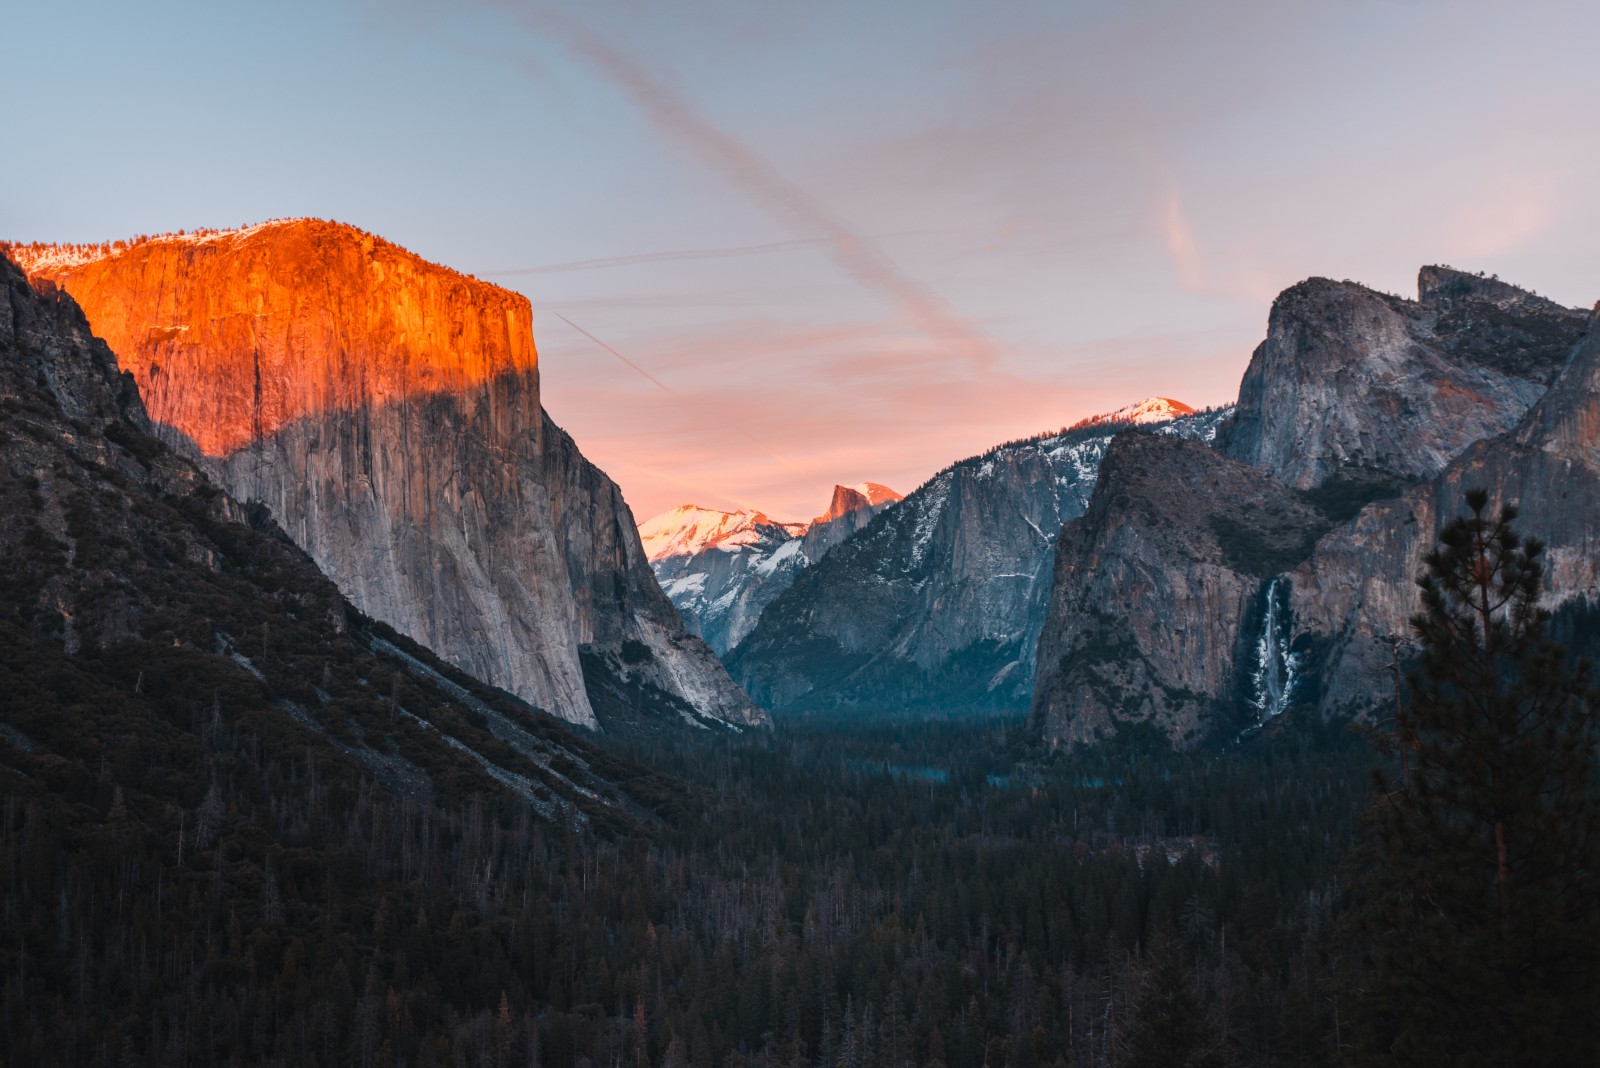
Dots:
pixel 233 334
pixel 387 410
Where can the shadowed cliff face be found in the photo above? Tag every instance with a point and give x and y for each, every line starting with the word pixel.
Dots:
pixel 939 601
pixel 136 592
pixel 1357 590
pixel 1157 589
pixel 387 411
pixel 1355 385
pixel 1206 596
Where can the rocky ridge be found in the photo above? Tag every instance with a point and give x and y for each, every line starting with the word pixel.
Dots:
pixel 720 569
pixel 1362 420
pixel 1356 385
pixel 387 411
pixel 145 611
pixel 939 601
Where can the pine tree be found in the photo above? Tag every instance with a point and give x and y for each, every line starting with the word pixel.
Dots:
pixel 1478 914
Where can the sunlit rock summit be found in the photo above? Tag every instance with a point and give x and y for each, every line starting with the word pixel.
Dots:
pixel 386 409
pixel 722 568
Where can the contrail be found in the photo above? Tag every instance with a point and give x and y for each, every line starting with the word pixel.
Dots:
pixel 851 251
pixel 659 384
pixel 757 442
pixel 659 257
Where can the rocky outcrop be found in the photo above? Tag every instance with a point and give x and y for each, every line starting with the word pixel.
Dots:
pixel 145 612
pixel 1353 385
pixel 939 601
pixel 1161 594
pixel 849 511
pixel 721 569
pixel 387 411
pixel 1230 595
pixel 1355 595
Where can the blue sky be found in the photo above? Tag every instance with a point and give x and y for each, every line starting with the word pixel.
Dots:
pixel 960 222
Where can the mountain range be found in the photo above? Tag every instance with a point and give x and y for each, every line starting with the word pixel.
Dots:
pixel 939 600
pixel 720 569
pixel 1201 572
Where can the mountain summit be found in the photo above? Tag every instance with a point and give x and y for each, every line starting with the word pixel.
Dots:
pixel 386 410
pixel 722 568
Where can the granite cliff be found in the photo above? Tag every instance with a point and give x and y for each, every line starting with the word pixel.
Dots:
pixel 1356 591
pixel 1359 386
pixel 1285 570
pixel 1158 596
pixel 720 569
pixel 939 601
pixel 149 623
pixel 387 411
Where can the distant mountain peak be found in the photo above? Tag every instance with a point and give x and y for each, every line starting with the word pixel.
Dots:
pixel 690 529
pixel 847 499
pixel 1149 410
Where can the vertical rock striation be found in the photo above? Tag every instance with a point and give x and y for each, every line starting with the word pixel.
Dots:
pixel 387 410
pixel 1203 596
pixel 1357 591
pixel 1160 593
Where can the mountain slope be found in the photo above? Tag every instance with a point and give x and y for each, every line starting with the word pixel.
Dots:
pixel 1355 592
pixel 720 569
pixel 1158 594
pixel 1363 418
pixel 225 794
pixel 387 411
pixel 939 601
pixel 139 594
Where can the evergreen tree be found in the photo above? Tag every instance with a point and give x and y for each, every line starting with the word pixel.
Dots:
pixel 1169 1025
pixel 1479 911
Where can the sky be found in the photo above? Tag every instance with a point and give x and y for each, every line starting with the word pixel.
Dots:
pixel 773 247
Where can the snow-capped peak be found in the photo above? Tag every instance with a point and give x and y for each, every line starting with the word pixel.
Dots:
pixel 1149 410
pixel 689 529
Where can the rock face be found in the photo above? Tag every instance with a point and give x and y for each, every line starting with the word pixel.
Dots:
pixel 1356 385
pixel 850 510
pixel 720 569
pixel 1356 591
pixel 938 602
pixel 1366 418
pixel 136 591
pixel 387 411
pixel 1161 591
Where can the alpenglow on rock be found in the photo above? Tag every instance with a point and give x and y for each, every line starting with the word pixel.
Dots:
pixel 939 601
pixel 387 410
pixel 722 568
pixel 179 595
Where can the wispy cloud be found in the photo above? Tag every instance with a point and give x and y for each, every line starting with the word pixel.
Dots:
pixel 738 163
pixel 676 256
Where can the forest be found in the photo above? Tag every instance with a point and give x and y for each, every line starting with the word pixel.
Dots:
pixel 915 893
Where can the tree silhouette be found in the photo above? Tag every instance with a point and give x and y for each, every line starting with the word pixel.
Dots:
pixel 1479 893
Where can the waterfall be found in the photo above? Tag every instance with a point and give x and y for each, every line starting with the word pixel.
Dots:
pixel 1276 666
